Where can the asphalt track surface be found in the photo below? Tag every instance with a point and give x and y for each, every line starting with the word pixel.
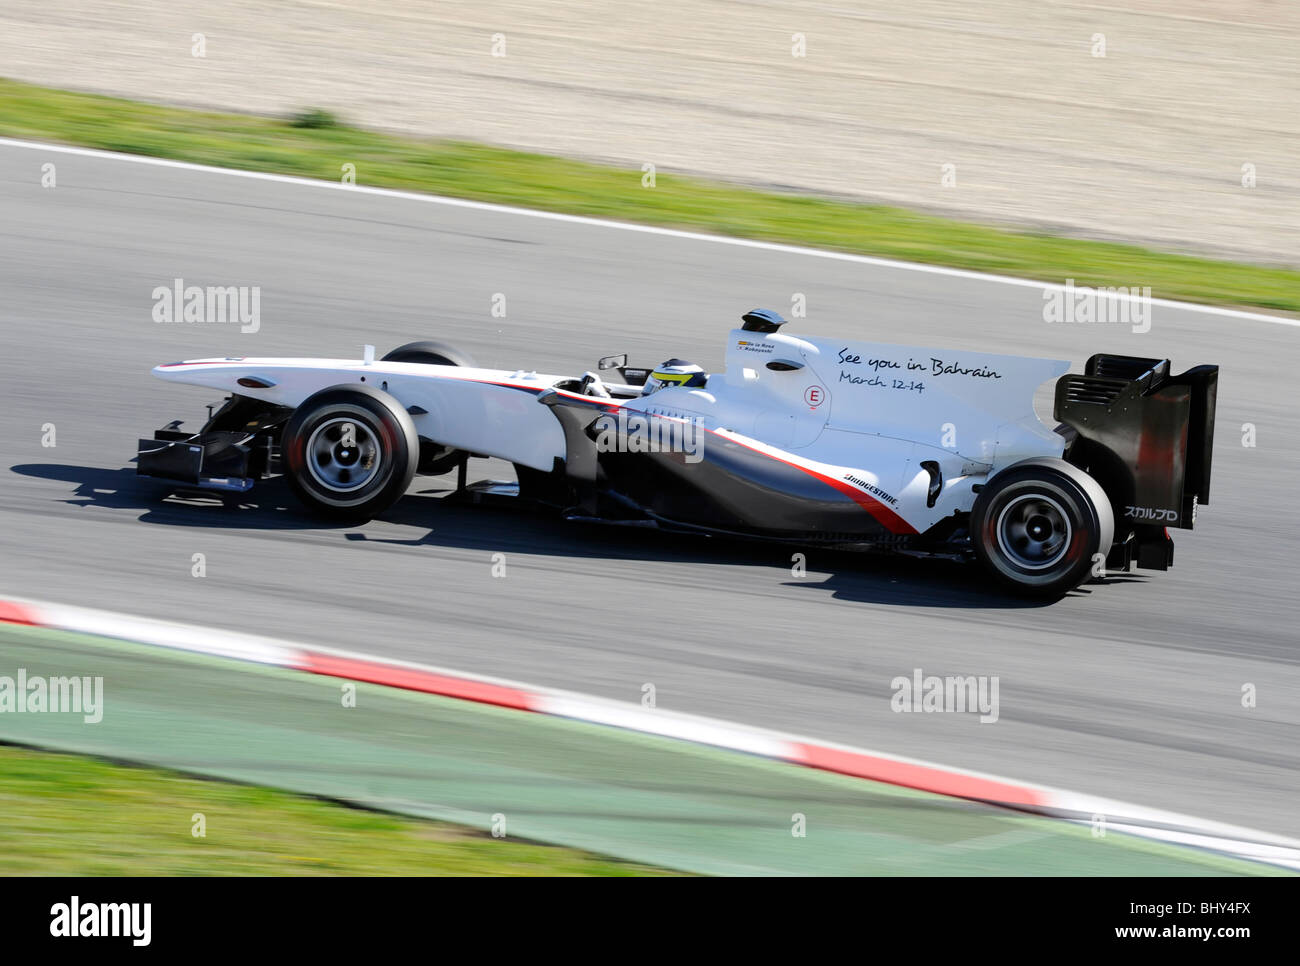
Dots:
pixel 1130 689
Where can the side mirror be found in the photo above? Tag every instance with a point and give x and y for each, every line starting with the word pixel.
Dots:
pixel 612 362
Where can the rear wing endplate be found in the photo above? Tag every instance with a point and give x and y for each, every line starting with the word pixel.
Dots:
pixel 1145 435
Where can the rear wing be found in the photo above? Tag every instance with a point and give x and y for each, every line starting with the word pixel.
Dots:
pixel 1146 436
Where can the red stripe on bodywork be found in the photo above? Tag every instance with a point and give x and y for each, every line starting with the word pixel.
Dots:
pixel 204 362
pixel 922 777
pixel 883 514
pixel 595 402
pixel 411 679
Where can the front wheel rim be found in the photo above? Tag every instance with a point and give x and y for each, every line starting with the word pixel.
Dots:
pixel 1034 532
pixel 344 454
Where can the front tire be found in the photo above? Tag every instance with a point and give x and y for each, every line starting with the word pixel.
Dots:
pixel 1037 526
pixel 435 459
pixel 349 451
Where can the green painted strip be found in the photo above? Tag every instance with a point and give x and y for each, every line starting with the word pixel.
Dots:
pixel 638 797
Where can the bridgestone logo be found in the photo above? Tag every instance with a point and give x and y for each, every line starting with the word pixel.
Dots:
pixel 871 488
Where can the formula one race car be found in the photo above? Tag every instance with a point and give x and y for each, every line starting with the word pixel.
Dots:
pixel 855 445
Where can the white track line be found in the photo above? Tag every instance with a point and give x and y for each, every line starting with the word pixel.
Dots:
pixel 643 229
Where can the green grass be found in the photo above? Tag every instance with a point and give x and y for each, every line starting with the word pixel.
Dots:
pixel 68 815
pixel 316 145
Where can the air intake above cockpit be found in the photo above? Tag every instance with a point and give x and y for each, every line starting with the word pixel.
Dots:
pixel 762 320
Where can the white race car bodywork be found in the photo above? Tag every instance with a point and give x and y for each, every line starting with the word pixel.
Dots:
pixel 481 411
pixel 838 443
pixel 864 415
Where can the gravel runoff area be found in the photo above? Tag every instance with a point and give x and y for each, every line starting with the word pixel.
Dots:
pixel 1150 143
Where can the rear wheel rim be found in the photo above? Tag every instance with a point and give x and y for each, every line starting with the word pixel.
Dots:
pixel 1033 532
pixel 344 454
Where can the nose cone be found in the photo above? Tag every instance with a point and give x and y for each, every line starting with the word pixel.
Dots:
pixel 177 371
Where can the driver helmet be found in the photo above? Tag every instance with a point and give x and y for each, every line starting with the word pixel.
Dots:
pixel 675 372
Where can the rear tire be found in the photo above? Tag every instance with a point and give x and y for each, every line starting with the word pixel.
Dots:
pixel 435 459
pixel 349 451
pixel 1037 525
